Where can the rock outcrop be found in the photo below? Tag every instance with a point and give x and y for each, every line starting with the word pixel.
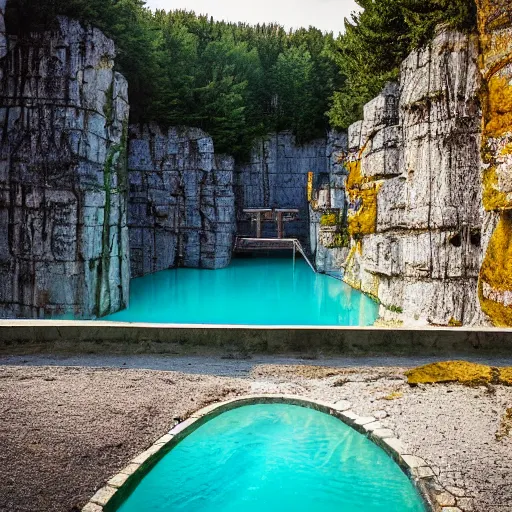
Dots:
pixel 182 204
pixel 415 190
pixel 3 36
pixel 64 119
pixel 328 208
pixel 495 285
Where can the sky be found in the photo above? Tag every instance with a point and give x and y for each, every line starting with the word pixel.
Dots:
pixel 327 15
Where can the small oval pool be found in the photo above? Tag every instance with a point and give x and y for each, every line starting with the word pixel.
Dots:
pixel 275 458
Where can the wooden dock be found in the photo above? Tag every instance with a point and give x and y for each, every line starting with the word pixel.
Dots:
pixel 246 245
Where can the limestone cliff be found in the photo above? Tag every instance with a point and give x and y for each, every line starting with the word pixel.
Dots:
pixel 495 286
pixel 182 204
pixel 328 207
pixel 415 190
pixel 63 120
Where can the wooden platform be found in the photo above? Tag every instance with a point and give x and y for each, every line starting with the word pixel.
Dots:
pixel 246 245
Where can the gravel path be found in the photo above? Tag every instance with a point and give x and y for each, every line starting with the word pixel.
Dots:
pixel 65 430
pixel 225 366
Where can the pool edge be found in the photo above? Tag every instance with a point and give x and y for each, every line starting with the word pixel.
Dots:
pixel 22 336
pixel 109 497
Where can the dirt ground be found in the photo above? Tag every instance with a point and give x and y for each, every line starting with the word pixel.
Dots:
pixel 64 431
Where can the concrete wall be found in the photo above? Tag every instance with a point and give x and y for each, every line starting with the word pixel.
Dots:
pixel 18 337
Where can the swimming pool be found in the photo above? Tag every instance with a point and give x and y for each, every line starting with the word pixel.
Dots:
pixel 252 291
pixel 275 457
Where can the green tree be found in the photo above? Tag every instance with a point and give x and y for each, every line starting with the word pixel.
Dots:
pixel 369 54
pixel 378 39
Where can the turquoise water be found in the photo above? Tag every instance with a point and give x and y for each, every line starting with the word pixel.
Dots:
pixel 275 458
pixel 255 291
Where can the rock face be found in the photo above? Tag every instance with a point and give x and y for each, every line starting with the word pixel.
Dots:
pixel 495 285
pixel 328 236
pixel 414 188
pixel 63 181
pixel 182 204
pixel 277 177
pixel 3 37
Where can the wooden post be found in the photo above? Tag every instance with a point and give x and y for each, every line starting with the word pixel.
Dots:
pixel 280 229
pixel 258 225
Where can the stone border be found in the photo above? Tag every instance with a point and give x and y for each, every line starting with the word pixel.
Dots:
pixel 108 498
pixel 26 336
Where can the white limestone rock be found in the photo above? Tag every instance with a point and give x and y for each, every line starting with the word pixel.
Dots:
pixel 182 206
pixel 423 261
pixel 63 176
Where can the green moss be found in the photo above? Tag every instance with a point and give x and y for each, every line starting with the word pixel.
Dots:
pixel 108 108
pixel 329 220
pixel 455 323
pixel 340 241
pixel 116 162
pixel 394 309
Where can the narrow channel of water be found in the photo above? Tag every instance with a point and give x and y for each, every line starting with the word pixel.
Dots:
pixel 254 291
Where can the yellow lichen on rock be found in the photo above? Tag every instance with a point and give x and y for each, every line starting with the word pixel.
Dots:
pixel 351 276
pixel 495 286
pixel 362 193
pixel 462 372
pixel 395 395
pixel 451 371
pixel 495 32
pixel 498 119
pixel 505 376
pixel 505 429
pixel 493 199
